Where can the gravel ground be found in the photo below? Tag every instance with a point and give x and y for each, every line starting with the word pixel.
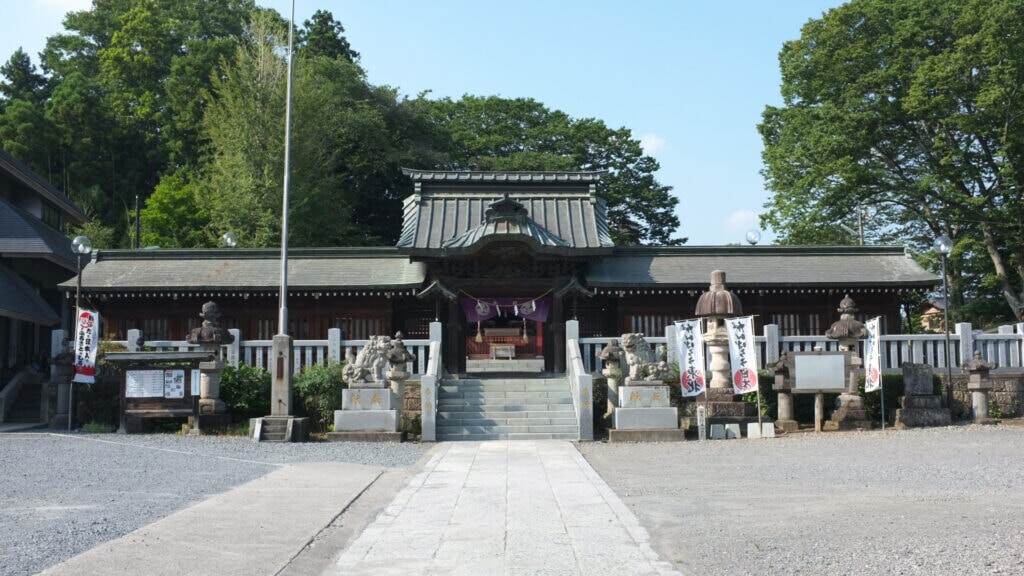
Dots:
pixel 925 501
pixel 63 494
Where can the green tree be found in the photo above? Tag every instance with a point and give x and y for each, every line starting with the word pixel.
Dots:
pixel 21 80
pixel 910 110
pixel 324 36
pixel 493 133
pixel 349 140
pixel 174 217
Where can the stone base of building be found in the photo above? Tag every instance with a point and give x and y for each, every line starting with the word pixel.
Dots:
pixel 665 435
pixel 922 411
pixel 366 436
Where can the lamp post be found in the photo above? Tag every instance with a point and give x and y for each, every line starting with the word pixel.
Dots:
pixel 944 246
pixel 82 246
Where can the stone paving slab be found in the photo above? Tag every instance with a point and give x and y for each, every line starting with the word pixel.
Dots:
pixel 256 528
pixel 504 508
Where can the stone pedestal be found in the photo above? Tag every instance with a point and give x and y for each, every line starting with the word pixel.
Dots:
pixel 368 415
pixel 919 405
pixel 612 376
pixel 979 404
pixel 209 388
pixel 281 376
pixel 722 408
pixel 979 385
pixel 850 413
pixel 645 414
pixel 60 378
pixel 783 385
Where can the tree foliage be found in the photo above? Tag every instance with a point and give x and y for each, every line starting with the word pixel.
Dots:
pixel 910 111
pixel 183 101
pixel 493 133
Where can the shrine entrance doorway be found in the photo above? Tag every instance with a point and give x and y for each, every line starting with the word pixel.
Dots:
pixel 505 333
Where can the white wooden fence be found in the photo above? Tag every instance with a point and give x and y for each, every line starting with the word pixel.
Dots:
pixel 1004 347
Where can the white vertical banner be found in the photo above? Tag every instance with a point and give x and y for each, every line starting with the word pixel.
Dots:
pixel 690 352
pixel 87 340
pixel 873 356
pixel 742 355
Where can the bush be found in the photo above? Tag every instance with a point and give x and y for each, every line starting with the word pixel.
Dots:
pixel 769 396
pixel 245 391
pixel 318 389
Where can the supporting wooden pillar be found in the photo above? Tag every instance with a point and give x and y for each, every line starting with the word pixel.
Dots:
pixel 557 363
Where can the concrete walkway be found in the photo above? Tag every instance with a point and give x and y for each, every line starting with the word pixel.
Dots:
pixel 504 508
pixel 256 528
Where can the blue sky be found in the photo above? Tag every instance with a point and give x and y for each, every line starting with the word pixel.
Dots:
pixel 690 79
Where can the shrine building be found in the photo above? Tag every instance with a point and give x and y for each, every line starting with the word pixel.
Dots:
pixel 502 260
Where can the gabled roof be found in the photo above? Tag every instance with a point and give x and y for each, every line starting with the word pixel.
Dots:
pixel 30 179
pixel 18 300
pixel 560 212
pixel 22 235
pixel 249 270
pixel 879 267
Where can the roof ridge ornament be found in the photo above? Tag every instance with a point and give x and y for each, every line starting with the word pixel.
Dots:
pixel 506 209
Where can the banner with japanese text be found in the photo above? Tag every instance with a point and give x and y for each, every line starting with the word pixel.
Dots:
pixel 690 352
pixel 742 354
pixel 873 356
pixel 87 340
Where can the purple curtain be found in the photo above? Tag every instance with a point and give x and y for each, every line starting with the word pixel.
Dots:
pixel 478 309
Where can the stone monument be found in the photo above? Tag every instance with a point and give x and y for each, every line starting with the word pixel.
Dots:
pixel 850 413
pixel 644 411
pixel 920 406
pixel 371 406
pixel 979 385
pixel 717 304
pixel 210 336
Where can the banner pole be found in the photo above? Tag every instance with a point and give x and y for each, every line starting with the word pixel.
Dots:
pixel 881 390
pixel 759 425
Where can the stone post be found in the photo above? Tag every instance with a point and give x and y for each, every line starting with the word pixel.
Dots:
pixel 61 370
pixel 334 345
pixel 209 382
pixel 978 384
pixel 611 357
pixel 281 376
pixel 784 385
pixel 717 339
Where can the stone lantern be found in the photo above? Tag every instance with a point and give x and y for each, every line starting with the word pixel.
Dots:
pixel 210 336
pixel 848 331
pixel 717 304
pixel 978 384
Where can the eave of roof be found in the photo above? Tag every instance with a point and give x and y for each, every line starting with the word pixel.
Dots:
pixel 29 178
pixel 759 267
pixel 24 236
pixel 19 301
pixel 313 270
pixel 500 176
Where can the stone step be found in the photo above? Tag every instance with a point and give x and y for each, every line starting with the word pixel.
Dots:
pixel 507 415
pixel 523 386
pixel 470 420
pixel 548 405
pixel 503 395
pixel 549 429
pixel 506 436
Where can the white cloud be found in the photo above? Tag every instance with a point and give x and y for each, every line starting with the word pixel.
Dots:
pixel 651 144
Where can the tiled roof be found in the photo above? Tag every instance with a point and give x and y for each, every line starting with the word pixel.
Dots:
pixel 465 176
pixel 22 235
pixel 760 266
pixel 256 270
pixel 18 300
pixel 448 210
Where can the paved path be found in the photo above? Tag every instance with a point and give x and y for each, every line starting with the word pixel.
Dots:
pixel 256 528
pixel 504 508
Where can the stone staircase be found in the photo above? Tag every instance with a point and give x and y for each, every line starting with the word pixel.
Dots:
pixel 274 430
pixel 26 408
pixel 506 408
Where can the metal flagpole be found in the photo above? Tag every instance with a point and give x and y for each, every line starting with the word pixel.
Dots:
pixel 282 320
